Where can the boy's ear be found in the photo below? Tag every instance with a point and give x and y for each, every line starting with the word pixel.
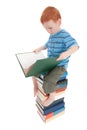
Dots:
pixel 59 20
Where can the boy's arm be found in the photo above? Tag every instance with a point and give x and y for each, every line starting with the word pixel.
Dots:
pixel 67 53
pixel 40 48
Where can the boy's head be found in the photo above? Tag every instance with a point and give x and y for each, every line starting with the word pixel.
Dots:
pixel 50 13
pixel 51 19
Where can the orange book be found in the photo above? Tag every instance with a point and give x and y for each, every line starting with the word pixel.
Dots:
pixel 52 115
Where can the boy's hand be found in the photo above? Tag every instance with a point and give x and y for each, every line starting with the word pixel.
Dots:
pixel 39 49
pixel 36 50
pixel 62 56
pixel 67 53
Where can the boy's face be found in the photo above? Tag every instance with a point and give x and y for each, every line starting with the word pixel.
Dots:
pixel 51 26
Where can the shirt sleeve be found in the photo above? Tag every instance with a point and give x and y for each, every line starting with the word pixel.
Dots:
pixel 69 41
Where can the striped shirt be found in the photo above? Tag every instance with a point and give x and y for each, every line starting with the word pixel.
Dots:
pixel 58 43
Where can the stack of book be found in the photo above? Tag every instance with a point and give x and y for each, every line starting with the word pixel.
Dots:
pixel 34 64
pixel 57 108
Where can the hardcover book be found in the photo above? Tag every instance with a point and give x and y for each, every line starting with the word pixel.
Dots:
pixel 52 115
pixel 58 94
pixel 38 101
pixel 33 64
pixel 49 109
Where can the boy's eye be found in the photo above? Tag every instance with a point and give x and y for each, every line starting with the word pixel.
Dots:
pixel 50 28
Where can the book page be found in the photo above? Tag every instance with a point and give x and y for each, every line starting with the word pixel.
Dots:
pixel 27 60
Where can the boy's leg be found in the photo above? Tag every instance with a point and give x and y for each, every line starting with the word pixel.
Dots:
pixel 50 99
pixel 51 79
pixel 35 86
pixel 50 82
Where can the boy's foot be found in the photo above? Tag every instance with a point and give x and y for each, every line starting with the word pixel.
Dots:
pixel 49 100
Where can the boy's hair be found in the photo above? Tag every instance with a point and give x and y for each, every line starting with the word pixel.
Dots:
pixel 50 13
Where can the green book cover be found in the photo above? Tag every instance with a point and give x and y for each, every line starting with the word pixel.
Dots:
pixel 33 64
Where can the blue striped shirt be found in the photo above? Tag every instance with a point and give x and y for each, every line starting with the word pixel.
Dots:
pixel 58 43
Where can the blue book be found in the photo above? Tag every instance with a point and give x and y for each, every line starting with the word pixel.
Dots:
pixel 63 76
pixel 51 115
pixel 49 109
pixel 62 83
pixel 38 101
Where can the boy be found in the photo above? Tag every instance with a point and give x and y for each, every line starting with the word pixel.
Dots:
pixel 60 44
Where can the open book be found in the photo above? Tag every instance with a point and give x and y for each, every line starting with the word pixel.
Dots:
pixel 33 64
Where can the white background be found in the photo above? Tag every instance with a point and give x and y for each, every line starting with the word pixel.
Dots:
pixel 21 31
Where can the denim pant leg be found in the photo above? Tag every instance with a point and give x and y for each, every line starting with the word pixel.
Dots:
pixel 50 80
